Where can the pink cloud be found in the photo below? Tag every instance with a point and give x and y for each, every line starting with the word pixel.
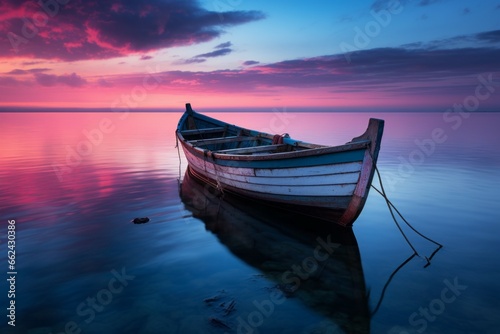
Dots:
pixel 72 80
pixel 100 30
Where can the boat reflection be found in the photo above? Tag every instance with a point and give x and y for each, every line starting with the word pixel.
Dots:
pixel 321 266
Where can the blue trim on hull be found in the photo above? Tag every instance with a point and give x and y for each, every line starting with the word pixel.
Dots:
pixel 307 161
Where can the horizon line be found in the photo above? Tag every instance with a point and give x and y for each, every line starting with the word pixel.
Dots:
pixel 5 109
pixel 222 110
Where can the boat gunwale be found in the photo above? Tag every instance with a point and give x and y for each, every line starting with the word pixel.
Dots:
pixel 278 155
pixel 314 149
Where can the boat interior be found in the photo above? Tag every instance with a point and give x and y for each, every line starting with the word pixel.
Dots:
pixel 230 139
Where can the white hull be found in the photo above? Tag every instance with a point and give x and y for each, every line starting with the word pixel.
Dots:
pixel 330 180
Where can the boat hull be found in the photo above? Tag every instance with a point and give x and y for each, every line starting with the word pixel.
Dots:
pixel 327 182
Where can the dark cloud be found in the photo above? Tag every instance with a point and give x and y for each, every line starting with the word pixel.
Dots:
pixel 404 63
pixel 30 71
pixel 104 83
pixel 216 53
pixel 224 45
pixel 8 81
pixel 145 57
pixel 427 2
pixel 386 4
pixel 220 50
pixel 30 63
pixel 46 79
pixel 251 62
pixel 489 36
pixel 397 71
pixel 94 29
pixel 72 80
pixel 191 61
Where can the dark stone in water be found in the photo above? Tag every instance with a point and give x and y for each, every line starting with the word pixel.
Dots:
pixel 223 307
pixel 218 323
pixel 211 299
pixel 229 308
pixel 141 220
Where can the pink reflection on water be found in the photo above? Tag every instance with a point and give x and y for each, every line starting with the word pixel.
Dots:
pixel 69 157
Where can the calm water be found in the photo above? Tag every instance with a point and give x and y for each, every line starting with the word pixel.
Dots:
pixel 74 182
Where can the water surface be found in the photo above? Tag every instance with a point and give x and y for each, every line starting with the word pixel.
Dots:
pixel 205 264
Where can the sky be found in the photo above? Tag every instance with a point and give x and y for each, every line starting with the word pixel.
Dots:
pixel 394 55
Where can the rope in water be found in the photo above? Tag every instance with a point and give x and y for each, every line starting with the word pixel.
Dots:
pixel 392 207
pixel 382 294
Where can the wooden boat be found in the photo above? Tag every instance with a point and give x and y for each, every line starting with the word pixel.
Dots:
pixel 327 182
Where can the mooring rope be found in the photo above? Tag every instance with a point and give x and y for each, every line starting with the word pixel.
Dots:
pixel 391 206
pixel 219 184
pixel 382 294
pixel 407 223
pixel 178 155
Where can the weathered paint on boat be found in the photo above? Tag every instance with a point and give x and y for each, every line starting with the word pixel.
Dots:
pixel 331 182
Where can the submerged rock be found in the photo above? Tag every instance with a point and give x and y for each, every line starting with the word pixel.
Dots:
pixel 211 299
pixel 140 220
pixel 218 323
pixel 228 308
pixel 223 307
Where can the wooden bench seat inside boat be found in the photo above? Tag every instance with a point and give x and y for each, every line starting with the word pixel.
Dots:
pixel 257 149
pixel 221 140
pixel 203 131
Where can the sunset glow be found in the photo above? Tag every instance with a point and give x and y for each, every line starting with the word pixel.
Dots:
pixel 374 54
